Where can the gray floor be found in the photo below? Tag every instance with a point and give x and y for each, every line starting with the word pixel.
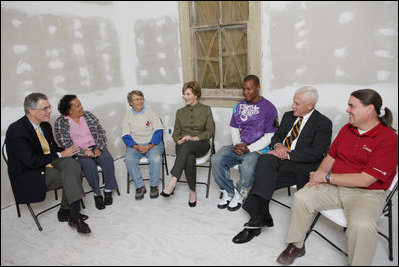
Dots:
pixel 165 232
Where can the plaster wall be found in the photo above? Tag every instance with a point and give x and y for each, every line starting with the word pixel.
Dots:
pixel 101 50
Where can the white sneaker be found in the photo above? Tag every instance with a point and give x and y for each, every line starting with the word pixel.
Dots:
pixel 236 202
pixel 225 199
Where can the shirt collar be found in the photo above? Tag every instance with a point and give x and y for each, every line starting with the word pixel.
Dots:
pixel 141 111
pixel 371 133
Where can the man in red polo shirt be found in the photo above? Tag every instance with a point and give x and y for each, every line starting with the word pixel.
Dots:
pixel 355 176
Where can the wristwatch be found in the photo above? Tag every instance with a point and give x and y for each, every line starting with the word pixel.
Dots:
pixel 328 177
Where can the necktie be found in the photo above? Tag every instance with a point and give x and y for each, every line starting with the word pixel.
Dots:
pixel 44 143
pixel 294 134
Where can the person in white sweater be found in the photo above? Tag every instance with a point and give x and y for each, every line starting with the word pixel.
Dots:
pixel 142 132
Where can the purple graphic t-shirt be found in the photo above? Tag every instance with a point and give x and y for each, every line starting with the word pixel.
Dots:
pixel 254 119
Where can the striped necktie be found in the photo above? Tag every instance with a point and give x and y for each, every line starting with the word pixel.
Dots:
pixel 44 143
pixel 294 134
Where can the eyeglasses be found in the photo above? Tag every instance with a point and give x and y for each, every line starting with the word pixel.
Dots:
pixel 43 108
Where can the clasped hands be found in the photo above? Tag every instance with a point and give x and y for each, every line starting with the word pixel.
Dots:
pixel 316 178
pixel 187 138
pixel 89 152
pixel 240 149
pixel 143 148
pixel 280 151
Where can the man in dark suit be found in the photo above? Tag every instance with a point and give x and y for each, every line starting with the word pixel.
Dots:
pixel 36 164
pixel 299 145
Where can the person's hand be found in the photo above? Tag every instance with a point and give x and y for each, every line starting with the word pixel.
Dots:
pixel 69 152
pixel 316 178
pixel 97 152
pixel 280 151
pixel 187 138
pixel 240 149
pixel 88 152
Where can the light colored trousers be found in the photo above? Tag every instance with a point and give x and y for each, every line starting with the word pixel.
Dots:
pixel 362 209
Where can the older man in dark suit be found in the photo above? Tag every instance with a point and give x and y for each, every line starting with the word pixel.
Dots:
pixel 36 164
pixel 299 146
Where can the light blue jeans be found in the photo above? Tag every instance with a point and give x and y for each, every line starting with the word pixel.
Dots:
pixel 154 157
pixel 224 160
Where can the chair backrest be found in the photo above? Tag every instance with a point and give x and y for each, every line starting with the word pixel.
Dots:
pixel 4 153
pixel 208 155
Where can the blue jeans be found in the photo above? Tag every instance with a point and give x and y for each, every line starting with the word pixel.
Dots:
pixel 154 157
pixel 89 168
pixel 225 159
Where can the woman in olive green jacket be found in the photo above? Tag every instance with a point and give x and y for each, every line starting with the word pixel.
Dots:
pixel 194 126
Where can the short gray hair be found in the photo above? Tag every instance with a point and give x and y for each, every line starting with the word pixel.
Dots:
pixel 310 93
pixel 134 92
pixel 31 100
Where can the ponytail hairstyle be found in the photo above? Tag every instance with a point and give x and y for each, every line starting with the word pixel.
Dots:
pixel 371 97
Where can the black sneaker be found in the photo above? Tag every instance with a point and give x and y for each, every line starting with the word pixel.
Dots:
pixel 108 198
pixel 99 202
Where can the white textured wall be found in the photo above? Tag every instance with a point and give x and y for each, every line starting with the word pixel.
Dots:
pixel 102 50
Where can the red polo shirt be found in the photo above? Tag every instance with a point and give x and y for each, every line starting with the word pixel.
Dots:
pixel 374 152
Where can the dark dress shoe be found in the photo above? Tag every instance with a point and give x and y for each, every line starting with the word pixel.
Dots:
pixel 192 204
pixel 80 225
pixel 258 222
pixel 246 235
pixel 167 195
pixel 290 254
pixel 108 198
pixel 99 201
pixel 65 217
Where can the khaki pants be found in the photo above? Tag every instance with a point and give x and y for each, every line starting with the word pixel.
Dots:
pixel 362 209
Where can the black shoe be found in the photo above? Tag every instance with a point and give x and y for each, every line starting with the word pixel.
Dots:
pixel 64 217
pixel 108 198
pixel 193 204
pixel 167 195
pixel 80 225
pixel 246 235
pixel 99 202
pixel 258 222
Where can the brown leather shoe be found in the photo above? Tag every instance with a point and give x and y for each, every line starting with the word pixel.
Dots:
pixel 65 217
pixel 290 254
pixel 80 225
pixel 154 193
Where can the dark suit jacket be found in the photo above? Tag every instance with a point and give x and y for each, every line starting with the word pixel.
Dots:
pixel 26 161
pixel 312 144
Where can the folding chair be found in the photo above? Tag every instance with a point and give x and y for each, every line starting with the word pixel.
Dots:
pixel 144 161
pixel 34 215
pixel 338 217
pixel 205 162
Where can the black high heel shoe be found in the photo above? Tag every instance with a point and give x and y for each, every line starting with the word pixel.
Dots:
pixel 167 195
pixel 193 204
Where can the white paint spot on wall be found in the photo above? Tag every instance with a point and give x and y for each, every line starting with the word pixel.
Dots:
pixel 22 67
pixel 140 41
pixel 341 52
pixel 58 79
pixel 78 49
pixel 301 44
pixel 56 64
pixel 52 29
pixel 301 70
pixel 109 77
pixel 144 73
pixel 53 53
pixel 103 46
pixel 105 56
pixel 162 71
pixel 161 55
pixel 19 49
pixel 77 24
pixel 16 23
pixel 112 113
pixel 383 75
pixel 303 33
pixel 341 73
pixel 388 31
pixel 78 34
pixel 346 17
pixel 84 72
pixel 383 53
pixel 300 24
pixel 160 39
pixel 28 83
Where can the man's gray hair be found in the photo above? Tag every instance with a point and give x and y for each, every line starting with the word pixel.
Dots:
pixel 31 100
pixel 309 93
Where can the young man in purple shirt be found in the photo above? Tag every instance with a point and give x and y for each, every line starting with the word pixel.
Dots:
pixel 252 125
